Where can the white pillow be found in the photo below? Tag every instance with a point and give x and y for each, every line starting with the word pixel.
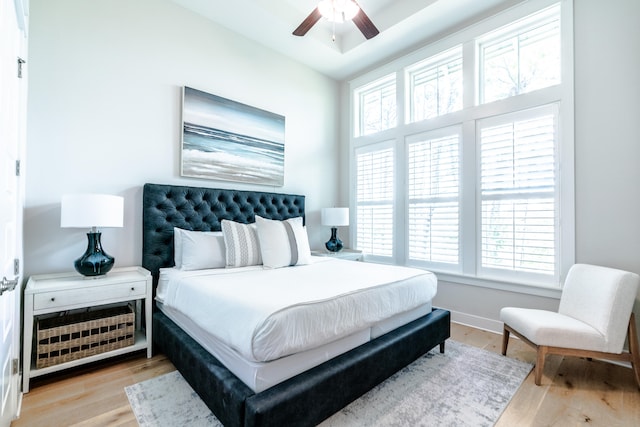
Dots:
pixel 283 243
pixel 241 244
pixel 197 250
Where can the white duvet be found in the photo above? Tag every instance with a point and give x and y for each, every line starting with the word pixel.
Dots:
pixel 265 314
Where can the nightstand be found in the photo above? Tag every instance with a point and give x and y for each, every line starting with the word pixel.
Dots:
pixel 349 254
pixel 65 293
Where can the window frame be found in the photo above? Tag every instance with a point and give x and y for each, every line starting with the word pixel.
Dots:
pixel 561 94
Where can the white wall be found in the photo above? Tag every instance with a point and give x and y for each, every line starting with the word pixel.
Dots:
pixel 104 115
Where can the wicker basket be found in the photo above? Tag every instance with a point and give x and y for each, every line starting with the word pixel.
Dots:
pixel 74 336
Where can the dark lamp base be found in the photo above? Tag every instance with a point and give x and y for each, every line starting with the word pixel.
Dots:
pixel 334 244
pixel 94 262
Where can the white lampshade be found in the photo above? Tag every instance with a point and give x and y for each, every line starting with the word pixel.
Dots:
pixel 91 210
pixel 338 10
pixel 334 217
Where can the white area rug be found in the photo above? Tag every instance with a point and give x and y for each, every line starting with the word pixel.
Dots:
pixel 465 386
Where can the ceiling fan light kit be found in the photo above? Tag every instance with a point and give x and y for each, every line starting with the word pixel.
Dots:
pixel 339 11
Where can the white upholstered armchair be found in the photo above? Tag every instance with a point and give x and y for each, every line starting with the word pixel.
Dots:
pixel 593 320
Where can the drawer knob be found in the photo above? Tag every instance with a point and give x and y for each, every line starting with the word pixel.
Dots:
pixel 53 299
pixel 133 289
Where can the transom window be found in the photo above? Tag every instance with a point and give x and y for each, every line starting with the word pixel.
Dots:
pixel 376 106
pixel 521 57
pixel 435 86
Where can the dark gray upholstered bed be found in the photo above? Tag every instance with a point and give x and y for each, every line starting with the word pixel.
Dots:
pixel 305 399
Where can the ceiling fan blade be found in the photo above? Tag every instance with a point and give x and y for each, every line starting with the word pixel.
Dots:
pixel 365 25
pixel 308 22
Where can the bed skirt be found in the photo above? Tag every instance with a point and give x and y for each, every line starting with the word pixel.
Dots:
pixel 307 398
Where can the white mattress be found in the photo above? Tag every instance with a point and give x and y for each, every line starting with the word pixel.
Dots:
pixel 259 376
pixel 267 314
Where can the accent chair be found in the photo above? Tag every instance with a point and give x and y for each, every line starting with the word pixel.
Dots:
pixel 593 320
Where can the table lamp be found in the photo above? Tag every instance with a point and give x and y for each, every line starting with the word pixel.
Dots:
pixel 92 211
pixel 334 218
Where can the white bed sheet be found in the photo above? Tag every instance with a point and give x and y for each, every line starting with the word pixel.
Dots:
pixel 268 314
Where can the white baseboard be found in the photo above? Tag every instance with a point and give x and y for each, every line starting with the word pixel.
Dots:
pixel 478 322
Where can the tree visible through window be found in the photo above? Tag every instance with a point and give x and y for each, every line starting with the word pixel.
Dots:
pixel 521 59
pixel 376 106
pixel 436 86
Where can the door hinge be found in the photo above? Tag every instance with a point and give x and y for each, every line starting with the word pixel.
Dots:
pixel 20 63
pixel 15 366
pixel 17 167
pixel 16 266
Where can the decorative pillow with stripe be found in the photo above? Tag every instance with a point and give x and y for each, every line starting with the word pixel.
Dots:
pixel 241 244
pixel 283 243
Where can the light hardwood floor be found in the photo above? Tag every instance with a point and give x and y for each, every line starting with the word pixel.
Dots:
pixel 573 391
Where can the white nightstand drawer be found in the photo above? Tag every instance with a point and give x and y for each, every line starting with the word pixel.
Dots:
pixel 60 299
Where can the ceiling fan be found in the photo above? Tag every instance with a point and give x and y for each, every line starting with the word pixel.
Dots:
pixel 339 11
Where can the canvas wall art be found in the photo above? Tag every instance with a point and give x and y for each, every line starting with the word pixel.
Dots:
pixel 230 141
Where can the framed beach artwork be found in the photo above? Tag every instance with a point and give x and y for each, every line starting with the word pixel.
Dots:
pixel 229 141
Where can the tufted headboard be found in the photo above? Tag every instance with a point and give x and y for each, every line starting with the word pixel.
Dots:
pixel 201 209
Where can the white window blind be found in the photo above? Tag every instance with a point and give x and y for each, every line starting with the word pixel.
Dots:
pixel 522 57
pixel 518 192
pixel 374 201
pixel 433 195
pixel 435 85
pixel 376 106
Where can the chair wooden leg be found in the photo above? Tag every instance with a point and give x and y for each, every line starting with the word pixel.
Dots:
pixel 634 348
pixel 505 340
pixel 540 355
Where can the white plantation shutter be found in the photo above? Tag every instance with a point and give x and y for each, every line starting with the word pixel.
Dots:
pixel 518 192
pixel 433 195
pixel 374 201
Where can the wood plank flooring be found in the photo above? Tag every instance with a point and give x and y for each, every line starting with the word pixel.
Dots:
pixel 573 391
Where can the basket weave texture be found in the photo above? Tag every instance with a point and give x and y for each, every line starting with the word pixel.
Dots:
pixel 74 336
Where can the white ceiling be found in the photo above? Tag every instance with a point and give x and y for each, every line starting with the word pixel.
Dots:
pixel 402 23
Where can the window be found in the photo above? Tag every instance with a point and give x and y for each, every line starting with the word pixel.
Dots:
pixel 433 190
pixel 518 188
pixel 435 86
pixel 480 194
pixel 522 57
pixel 374 200
pixel 376 106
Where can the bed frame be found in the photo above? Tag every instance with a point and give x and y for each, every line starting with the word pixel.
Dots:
pixel 307 398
